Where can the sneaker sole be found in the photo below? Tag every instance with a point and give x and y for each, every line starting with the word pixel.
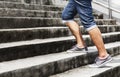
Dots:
pixel 106 62
pixel 83 51
pixel 102 65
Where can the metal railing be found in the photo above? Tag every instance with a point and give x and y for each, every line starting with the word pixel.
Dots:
pixel 113 9
pixel 109 5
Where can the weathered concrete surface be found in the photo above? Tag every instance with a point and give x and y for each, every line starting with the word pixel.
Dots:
pixel 5 12
pixel 12 0
pixel 26 1
pixel 27 22
pixel 22 34
pixel 59 2
pixel 43 66
pixel 22 49
pixel 12 5
pixel 112 69
pixel 47 2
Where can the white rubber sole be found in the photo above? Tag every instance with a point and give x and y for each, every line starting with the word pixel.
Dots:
pixel 100 66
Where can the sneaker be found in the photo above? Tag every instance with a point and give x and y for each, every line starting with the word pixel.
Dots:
pixel 101 62
pixel 77 49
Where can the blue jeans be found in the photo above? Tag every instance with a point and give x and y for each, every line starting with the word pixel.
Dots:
pixel 84 9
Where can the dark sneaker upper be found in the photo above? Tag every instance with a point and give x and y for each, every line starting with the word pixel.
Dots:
pixel 75 48
pixel 101 62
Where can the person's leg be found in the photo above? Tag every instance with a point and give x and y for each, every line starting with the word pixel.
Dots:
pixel 75 29
pixel 96 37
pixel 84 9
pixel 67 16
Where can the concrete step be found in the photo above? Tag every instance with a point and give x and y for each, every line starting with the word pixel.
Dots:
pixel 22 6
pixel 13 5
pixel 98 16
pixel 6 12
pixel 28 22
pixel 105 22
pixel 110 70
pixel 22 34
pixel 19 1
pixel 22 49
pixel 46 65
pixel 38 2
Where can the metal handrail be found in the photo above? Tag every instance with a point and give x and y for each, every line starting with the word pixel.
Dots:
pixel 108 7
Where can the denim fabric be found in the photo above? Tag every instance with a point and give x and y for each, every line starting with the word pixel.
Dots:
pixel 83 8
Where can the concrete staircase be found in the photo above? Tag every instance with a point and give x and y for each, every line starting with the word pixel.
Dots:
pixel 34 40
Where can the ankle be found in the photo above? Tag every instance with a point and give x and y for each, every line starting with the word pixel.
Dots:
pixel 80 46
pixel 103 56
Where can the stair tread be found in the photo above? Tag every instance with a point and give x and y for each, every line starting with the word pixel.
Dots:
pixel 40 41
pixel 56 27
pixel 28 10
pixel 6 12
pixel 86 71
pixel 21 22
pixel 36 28
pixel 46 18
pixel 44 59
pixel 10 1
pixel 29 6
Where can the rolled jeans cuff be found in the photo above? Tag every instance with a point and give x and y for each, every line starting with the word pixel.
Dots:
pixel 90 28
pixel 65 21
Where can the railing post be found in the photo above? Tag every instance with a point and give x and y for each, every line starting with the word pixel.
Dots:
pixel 110 10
